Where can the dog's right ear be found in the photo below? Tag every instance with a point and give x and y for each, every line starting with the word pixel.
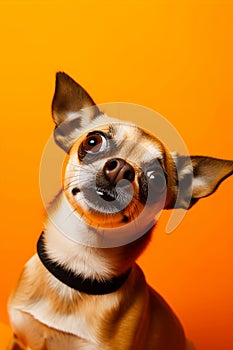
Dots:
pixel 69 98
pixel 199 177
pixel 72 107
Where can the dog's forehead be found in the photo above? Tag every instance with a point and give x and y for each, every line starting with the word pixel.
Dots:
pixel 128 139
pixel 141 141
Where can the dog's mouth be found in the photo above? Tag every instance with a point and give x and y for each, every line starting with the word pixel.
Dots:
pixel 110 200
pixel 107 195
pixel 119 199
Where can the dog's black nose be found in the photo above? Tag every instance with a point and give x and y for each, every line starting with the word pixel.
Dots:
pixel 117 169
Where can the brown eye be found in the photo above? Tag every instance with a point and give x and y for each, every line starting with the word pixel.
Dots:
pixel 157 180
pixel 94 143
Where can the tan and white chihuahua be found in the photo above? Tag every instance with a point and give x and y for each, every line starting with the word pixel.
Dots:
pixel 83 289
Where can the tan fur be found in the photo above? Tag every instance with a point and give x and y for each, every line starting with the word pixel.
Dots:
pixel 134 317
pixel 144 147
pixel 47 314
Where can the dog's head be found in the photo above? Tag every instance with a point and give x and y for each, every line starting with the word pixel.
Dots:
pixel 114 170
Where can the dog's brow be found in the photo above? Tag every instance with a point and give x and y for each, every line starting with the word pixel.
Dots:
pixel 154 164
pixel 107 133
pixel 111 130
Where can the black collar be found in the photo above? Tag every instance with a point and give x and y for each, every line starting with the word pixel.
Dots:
pixel 77 282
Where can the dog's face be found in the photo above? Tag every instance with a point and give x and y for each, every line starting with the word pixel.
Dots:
pixel 114 171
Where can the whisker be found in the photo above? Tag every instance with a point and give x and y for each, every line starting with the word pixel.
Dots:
pixel 72 212
pixel 84 168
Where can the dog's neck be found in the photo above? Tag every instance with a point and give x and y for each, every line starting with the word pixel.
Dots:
pixel 63 231
pixel 90 262
pixel 76 281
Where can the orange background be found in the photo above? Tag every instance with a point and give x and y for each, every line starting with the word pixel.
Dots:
pixel 173 56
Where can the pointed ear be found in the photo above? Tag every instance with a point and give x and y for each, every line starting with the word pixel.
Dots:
pixel 72 109
pixel 69 98
pixel 199 178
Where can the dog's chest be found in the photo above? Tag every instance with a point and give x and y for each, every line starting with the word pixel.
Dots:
pixel 46 303
pixel 73 322
pixel 38 335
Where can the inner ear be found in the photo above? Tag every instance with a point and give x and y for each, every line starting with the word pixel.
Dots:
pixel 199 177
pixel 69 98
pixel 209 173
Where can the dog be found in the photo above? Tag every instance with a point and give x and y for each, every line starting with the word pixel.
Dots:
pixel 83 289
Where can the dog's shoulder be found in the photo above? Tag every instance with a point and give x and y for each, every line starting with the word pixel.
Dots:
pixel 165 322
pixel 31 285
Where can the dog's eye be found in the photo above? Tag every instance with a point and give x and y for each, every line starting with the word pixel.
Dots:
pixel 94 143
pixel 157 180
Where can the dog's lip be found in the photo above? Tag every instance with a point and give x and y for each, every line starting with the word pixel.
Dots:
pixel 107 195
pixel 109 200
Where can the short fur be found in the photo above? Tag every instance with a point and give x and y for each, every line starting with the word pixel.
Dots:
pixel 47 314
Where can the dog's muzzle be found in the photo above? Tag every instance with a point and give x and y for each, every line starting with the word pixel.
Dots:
pixel 113 189
pixel 117 169
pixel 115 179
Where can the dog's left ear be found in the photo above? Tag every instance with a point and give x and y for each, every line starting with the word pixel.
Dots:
pixel 199 178
pixel 72 107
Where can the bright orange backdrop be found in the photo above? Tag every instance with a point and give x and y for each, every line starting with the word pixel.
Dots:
pixel 173 56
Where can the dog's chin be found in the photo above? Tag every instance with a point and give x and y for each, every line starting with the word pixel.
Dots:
pixel 136 215
pixel 110 207
pixel 105 208
pixel 108 201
